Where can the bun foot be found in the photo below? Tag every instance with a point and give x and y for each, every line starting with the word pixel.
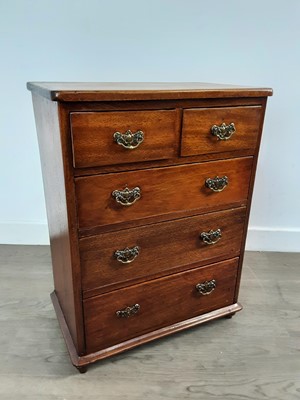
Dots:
pixel 82 369
pixel 229 316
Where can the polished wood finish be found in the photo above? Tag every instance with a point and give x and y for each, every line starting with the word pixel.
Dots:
pixel 163 302
pixel 252 180
pixel 165 248
pixel 82 166
pixel 254 355
pixel 166 192
pixel 197 124
pixel 180 105
pixel 94 145
pixel 113 91
pixel 59 194
pixel 89 358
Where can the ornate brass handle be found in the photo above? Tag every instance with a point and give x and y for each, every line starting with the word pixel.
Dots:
pixel 127 255
pixel 211 237
pixel 128 311
pixel 206 287
pixel 216 184
pixel 223 131
pixel 127 197
pixel 128 139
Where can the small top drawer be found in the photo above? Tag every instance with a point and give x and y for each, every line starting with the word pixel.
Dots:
pixel 216 130
pixel 104 138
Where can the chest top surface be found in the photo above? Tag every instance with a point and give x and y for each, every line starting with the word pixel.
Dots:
pixel 116 91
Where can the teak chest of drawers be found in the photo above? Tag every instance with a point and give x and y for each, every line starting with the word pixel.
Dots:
pixel 148 190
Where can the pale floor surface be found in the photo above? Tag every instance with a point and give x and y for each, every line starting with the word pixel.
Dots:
pixel 254 355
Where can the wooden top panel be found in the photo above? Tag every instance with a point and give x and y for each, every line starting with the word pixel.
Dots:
pixel 116 91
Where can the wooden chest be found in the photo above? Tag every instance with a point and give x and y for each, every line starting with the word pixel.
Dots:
pixel 148 190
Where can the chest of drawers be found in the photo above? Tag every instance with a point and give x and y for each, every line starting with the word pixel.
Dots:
pixel 148 190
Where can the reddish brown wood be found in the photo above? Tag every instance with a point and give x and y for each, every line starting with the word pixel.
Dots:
pixel 163 302
pixel 85 360
pixel 94 145
pixel 165 248
pixel 65 328
pixel 170 104
pixel 78 172
pixel 60 202
pixel 197 124
pixel 113 91
pixel 251 186
pixel 159 104
pixel 164 191
pixel 79 204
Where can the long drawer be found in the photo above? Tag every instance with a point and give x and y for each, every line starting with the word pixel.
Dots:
pixel 138 197
pixel 130 312
pixel 114 260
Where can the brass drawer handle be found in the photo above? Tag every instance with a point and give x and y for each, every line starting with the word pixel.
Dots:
pixel 211 237
pixel 128 311
pixel 206 287
pixel 216 184
pixel 127 255
pixel 223 131
pixel 127 196
pixel 128 139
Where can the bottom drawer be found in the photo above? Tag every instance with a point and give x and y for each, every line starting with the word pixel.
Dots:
pixel 157 303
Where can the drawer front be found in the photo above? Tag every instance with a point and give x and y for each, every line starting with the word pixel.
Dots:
pixel 95 142
pixel 199 138
pixel 161 302
pixel 159 249
pixel 160 192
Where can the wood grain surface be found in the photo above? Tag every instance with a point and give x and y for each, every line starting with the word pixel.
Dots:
pixel 94 145
pixel 162 302
pixel 164 248
pixel 85 206
pixel 166 193
pixel 113 91
pixel 60 204
pixel 197 124
pixel 155 105
pixel 253 356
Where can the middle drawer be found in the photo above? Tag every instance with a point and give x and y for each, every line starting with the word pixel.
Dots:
pixel 116 259
pixel 110 201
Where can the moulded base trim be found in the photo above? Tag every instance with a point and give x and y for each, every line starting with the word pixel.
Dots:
pixel 84 360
